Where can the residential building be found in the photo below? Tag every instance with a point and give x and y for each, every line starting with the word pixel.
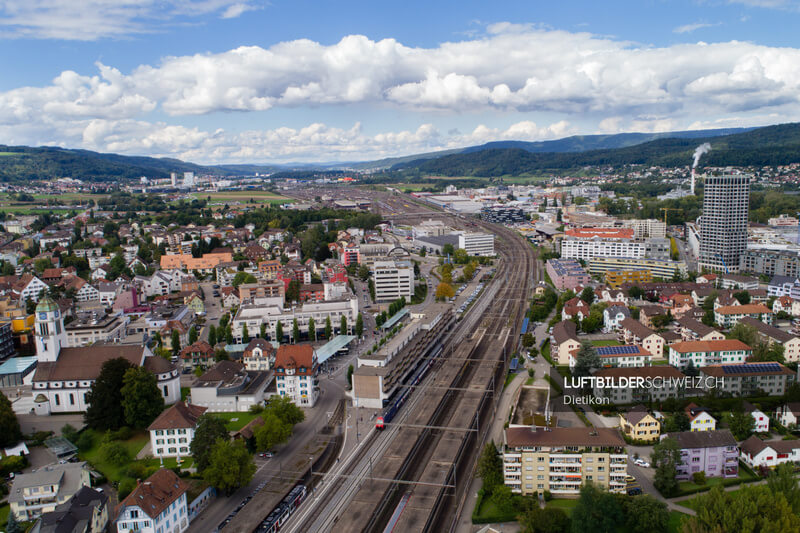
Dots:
pixel 42 491
pixel 198 354
pixel 296 369
pixel 229 387
pixel 771 334
pixel 729 315
pixel 770 262
pixel 86 512
pixel 712 452
pixel 700 419
pixel 481 244
pixel 563 341
pixel 96 327
pixel 172 432
pixel 575 307
pixel 638 424
pixel 738 282
pixel 757 453
pixel 723 224
pixel 658 383
pixel 760 419
pixel 616 278
pixel 618 356
pixel 648 312
pixel 588 243
pixel 269 315
pixel 256 293
pixel 788 414
pixel 156 505
pixel 393 280
pixel 646 228
pixel 613 315
pixel 694 330
pixel 259 355
pixel 567 273
pixel 749 379
pixel 560 460
pixel 658 268
pixel 205 264
pixel 705 353
pixel 634 332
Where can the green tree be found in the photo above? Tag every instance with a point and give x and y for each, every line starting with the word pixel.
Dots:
pixel 295 331
pixel 263 331
pixel 547 520
pixel 343 326
pixel 328 327
pixel 448 249
pixel 12 525
pixel 363 272
pixel 230 466
pixel 782 481
pixel 490 468
pixel 745 333
pixel 10 433
pixel 192 335
pixel 274 431
pixel 645 514
pixel 279 331
pixel 212 335
pixel 105 410
pixel 293 291
pixel 636 292
pixel 765 351
pixel 209 430
pixel 350 376
pixel 312 329
pixel 666 457
pixel 359 325
pixel 587 295
pixel 741 424
pixel 461 256
pixel 586 360
pixel 708 302
pixel 228 334
pixel 176 342
pixel 742 296
pixel 115 453
pixel 245 334
pixel 141 399
pixel 708 318
pixel 242 278
pixel 597 511
pixel 528 340
pixel 371 287
pixel 285 409
pixel 676 423
pixel 753 509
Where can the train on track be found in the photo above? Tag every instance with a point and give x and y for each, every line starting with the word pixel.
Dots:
pixel 278 517
pixel 408 389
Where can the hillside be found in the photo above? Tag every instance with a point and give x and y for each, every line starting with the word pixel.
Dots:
pixel 771 145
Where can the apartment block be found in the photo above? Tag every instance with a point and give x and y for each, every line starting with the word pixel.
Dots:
pixel 567 273
pixel 393 280
pixel 705 353
pixel 615 278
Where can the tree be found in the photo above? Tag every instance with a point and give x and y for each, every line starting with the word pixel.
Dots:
pixel 350 376
pixel 528 340
pixel 245 334
pixel 708 302
pixel 444 291
pixel 677 423
pixel 343 326
pixel 141 399
pixel 764 351
pixel 490 468
pixel 176 342
pixel 745 333
pixel 274 431
pixel 782 481
pixel 371 287
pixel 586 360
pixel 105 410
pixel 192 335
pixel 328 327
pixel 708 318
pixel 596 511
pixel 741 424
pixel 666 457
pixel 742 296
pixel 293 291
pixel 363 272
pixel 461 256
pixel 228 334
pixel 547 520
pixel 263 331
pixel 587 295
pixel 212 335
pixel 448 249
pixel 312 329
pixel 10 433
pixel 754 509
pixel 295 331
pixel 359 325
pixel 645 514
pixel 115 453
pixel 636 292
pixel 243 278
pixel 230 466
pixel 279 331
pixel 209 430
pixel 285 409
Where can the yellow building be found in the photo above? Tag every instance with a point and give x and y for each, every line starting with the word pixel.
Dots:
pixel 640 425
pixel 562 459
pixel 615 278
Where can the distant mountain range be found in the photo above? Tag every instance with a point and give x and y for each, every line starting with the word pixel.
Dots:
pixel 735 146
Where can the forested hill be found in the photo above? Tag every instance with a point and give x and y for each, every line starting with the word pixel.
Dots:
pixel 771 145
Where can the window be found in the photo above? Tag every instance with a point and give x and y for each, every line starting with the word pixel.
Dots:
pixel 58 400
pixel 166 391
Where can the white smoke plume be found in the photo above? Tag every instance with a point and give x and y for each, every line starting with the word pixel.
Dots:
pixel 699 151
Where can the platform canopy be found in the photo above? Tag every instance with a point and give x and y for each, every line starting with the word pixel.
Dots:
pixel 397 317
pixel 330 348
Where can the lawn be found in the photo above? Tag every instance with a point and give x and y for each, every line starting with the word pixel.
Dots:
pixel 113 472
pixel 509 378
pixel 236 421
pixel 606 343
pixel 565 505
pixel 675 519
pixel 4 510
pixel 745 476
pixel 546 352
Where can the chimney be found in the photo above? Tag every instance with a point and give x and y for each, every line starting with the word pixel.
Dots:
pixel 693 179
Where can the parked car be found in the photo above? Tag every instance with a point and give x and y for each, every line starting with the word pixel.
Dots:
pixel 265 455
pixel 634 491
pixel 642 463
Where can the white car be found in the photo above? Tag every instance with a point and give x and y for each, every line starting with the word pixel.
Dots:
pixel 642 463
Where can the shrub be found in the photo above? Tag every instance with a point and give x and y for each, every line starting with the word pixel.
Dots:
pixel 115 453
pixel 547 496
pixel 126 487
pixel 256 408
pixel 699 478
pixel 123 433
pixel 84 441
pixel 69 433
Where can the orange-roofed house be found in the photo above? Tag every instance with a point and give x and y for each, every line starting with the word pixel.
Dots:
pixel 704 353
pixel 156 504
pixel 588 243
pixel 296 370
pixel 729 315
pixel 204 264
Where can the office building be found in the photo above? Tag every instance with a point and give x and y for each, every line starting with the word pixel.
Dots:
pixel 588 243
pixel 658 268
pixel 723 225
pixel 477 243
pixel 770 262
pixel 393 280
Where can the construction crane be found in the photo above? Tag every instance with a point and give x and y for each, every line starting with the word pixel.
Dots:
pixel 667 210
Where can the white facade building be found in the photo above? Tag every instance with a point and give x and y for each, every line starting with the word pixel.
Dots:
pixel 156 505
pixel 393 280
pixel 477 243
pixel 171 434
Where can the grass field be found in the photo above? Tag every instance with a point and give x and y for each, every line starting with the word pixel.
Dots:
pixel 232 198
pixel 565 505
pixel 675 519
pixel 606 343
pixel 236 421
pixel 6 154
pixel 113 472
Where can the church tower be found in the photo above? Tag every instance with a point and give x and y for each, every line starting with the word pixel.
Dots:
pixel 49 330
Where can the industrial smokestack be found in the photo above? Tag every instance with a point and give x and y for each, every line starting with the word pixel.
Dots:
pixel 698 152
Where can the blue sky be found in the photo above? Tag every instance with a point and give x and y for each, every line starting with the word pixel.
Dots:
pixel 217 81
